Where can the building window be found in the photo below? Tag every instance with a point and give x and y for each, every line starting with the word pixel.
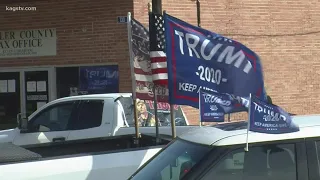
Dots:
pixel 82 80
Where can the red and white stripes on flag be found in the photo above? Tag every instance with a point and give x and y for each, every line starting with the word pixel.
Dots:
pixel 158 59
pixel 159 68
pixel 140 63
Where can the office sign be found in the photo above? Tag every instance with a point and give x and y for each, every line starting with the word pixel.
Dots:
pixel 28 43
pixel 122 19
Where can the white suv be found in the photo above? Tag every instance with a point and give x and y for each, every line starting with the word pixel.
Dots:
pixel 217 153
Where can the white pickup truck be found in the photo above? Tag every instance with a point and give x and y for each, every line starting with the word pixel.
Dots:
pixel 86 117
pixel 85 137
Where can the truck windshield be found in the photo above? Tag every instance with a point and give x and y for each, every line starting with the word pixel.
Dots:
pixel 173 162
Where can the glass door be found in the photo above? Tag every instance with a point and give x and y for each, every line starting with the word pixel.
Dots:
pixel 10 99
pixel 36 90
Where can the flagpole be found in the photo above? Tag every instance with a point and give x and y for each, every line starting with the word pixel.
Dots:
pixel 173 123
pixel 131 55
pixel 154 90
pixel 200 123
pixel 248 125
pixel 198 14
pixel 136 141
pixel 155 104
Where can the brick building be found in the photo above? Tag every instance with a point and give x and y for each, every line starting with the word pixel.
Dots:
pixel 77 33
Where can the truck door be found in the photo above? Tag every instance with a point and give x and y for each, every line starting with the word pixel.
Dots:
pixel 49 125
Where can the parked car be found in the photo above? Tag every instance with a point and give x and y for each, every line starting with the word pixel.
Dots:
pixel 84 117
pixel 218 153
pixel 88 137
pixel 17 163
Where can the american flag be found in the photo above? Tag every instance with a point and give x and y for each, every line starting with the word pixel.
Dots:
pixel 142 66
pixel 157 50
pixel 141 61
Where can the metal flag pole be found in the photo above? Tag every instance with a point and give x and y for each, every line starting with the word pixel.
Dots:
pixel 157 9
pixel 172 119
pixel 155 104
pixel 173 123
pixel 199 22
pixel 136 141
pixel 200 121
pixel 157 6
pixel 248 125
pixel 152 8
pixel 198 13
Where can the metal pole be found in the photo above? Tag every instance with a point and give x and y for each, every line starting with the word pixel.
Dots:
pixel 157 9
pixel 198 14
pixel 136 140
pixel 199 22
pixel 157 6
pixel 155 104
pixel 173 123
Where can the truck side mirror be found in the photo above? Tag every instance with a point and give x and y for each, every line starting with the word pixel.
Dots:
pixel 22 124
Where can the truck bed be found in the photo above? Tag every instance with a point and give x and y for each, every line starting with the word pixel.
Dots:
pixel 114 165
pixel 122 140
pixel 91 159
pixel 12 153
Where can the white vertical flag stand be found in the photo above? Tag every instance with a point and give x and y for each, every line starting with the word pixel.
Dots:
pixel 248 125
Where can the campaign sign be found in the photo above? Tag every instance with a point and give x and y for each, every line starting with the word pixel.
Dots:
pixel 99 79
pixel 271 119
pixel 200 59
pixel 213 107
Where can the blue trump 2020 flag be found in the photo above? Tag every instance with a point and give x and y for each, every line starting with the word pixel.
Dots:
pixel 213 105
pixel 267 118
pixel 200 59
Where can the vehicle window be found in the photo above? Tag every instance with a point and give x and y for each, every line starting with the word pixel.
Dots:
pixel 269 162
pixel 89 115
pixel 173 162
pixel 127 104
pixel 318 158
pixel 54 118
pixel 146 113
